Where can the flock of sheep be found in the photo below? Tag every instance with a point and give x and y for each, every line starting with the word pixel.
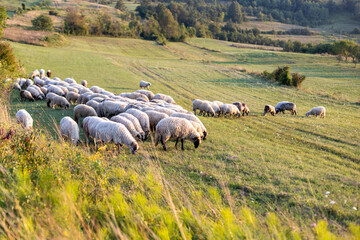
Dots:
pixel 127 118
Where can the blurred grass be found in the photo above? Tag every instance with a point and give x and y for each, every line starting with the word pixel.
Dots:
pixel 281 164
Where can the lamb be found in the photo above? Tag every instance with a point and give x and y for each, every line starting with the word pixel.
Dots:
pixel 230 109
pixel 203 106
pixel 84 83
pixel 144 84
pixel 164 97
pixel 83 110
pixel 136 123
pixel 269 109
pixel 128 124
pixel 192 118
pixel 72 97
pixel 178 128
pixel 24 118
pixel 143 119
pixel 35 73
pixel 150 95
pixel 317 111
pixel 155 117
pixel 116 133
pixel 283 106
pixel 89 126
pixel 48 73
pixel 24 94
pixel 69 130
pixel 59 101
pixel 57 90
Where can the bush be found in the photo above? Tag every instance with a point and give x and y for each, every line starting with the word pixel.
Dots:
pixel 161 40
pixel 74 23
pixel 43 22
pixel 297 79
pixel 53 13
pixel 54 40
pixel 283 76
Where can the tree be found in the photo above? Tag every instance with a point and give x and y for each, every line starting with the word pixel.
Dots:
pixel 74 23
pixel 120 5
pixel 169 27
pixel 234 12
pixel 3 17
pixel 43 22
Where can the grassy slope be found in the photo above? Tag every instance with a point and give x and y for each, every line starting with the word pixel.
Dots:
pixel 284 163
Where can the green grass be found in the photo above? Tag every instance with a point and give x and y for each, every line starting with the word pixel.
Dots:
pixel 283 164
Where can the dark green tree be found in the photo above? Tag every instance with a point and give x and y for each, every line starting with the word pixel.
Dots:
pixel 169 27
pixel 120 5
pixel 43 22
pixel 74 23
pixel 234 12
pixel 3 17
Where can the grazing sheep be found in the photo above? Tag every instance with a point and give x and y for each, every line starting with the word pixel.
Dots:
pixel 69 80
pixel 16 86
pixel 128 124
pixel 218 103
pixel 203 106
pixel 269 109
pixel 116 133
pixel 165 110
pixel 44 90
pixel 239 105
pixel 89 126
pixel 24 94
pixel 155 117
pixel 230 109
pixel 69 130
pixel 143 119
pixel 72 97
pixel 150 95
pixel 283 106
pixel 164 97
pixel 22 82
pixel 245 110
pixel 27 83
pixel 48 73
pixel 144 84
pixel 57 90
pixel 317 111
pixel 49 97
pixel 133 95
pixel 143 98
pixel 42 73
pixel 35 73
pixel 72 89
pixel 177 128
pixel 110 108
pixel 93 104
pixel 198 128
pixel 136 123
pixel 84 83
pixel 215 107
pixel 36 92
pixel 83 110
pixel 96 89
pixel 23 117
pixel 38 81
pixel 59 101
pixel 192 118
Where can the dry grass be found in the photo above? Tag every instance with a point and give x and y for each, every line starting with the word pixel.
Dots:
pixel 18 34
pixel 24 20
pixel 268 26
pixel 302 38
pixel 253 46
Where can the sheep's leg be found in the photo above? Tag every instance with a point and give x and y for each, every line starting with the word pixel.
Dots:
pixel 177 140
pixel 163 143
pixel 182 144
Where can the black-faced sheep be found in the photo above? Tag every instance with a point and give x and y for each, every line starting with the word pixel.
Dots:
pixel 72 97
pixel 24 94
pixel 230 109
pixel 269 109
pixel 285 106
pixel 24 118
pixel 143 119
pixel 69 130
pixel 317 111
pixel 144 84
pixel 82 111
pixel 128 124
pixel 192 118
pixel 84 83
pixel 176 128
pixel 59 101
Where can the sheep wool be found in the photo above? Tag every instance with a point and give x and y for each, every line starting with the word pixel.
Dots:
pixel 24 94
pixel 192 118
pixel 89 126
pixel 83 110
pixel 24 118
pixel 143 119
pixel 136 123
pixel 155 117
pixel 69 130
pixel 59 101
pixel 128 124
pixel 317 111
pixel 144 84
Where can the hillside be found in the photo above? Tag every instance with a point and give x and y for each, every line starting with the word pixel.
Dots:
pixel 283 164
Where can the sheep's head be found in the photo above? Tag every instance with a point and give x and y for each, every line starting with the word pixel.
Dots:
pixel 205 135
pixel 307 114
pixel 134 147
pixel 67 106
pixel 196 141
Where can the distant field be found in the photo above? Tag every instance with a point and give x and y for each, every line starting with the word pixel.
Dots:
pixel 284 163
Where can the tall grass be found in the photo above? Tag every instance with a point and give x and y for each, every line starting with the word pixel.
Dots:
pixel 50 189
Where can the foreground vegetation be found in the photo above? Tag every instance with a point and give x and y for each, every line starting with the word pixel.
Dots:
pixel 267 177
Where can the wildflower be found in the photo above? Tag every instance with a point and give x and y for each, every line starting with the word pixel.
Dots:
pixel 327 192
pixel 313 224
pixel 332 202
pixel 315 215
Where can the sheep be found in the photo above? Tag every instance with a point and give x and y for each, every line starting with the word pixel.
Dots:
pixel 24 94
pixel 203 106
pixel 69 80
pixel 65 90
pixel 155 117
pixel 144 84
pixel 84 83
pixel 59 101
pixel 198 128
pixel 143 119
pixel 36 92
pixel 48 73
pixel 165 110
pixel 72 89
pixel 150 95
pixel 317 111
pixel 215 107
pixel 72 97
pixel 96 89
pixel 192 118
pixel 49 97
pixel 69 130
pixel 116 133
pixel 89 127
pixel 143 98
pixel 269 109
pixel 164 97
pixel 110 108
pixel 128 124
pixel 83 110
pixel 136 123
pixel 16 86
pixel 230 109
pixel 57 90
pixel 245 110
pixel 22 82
pixel 27 83
pixel 35 73
pixel 93 104
pixel 24 118
pixel 44 90
pixel 178 128
pixel 283 106
pixel 42 73
pixel 239 105
pixel 133 95
pixel 38 81
pixel 218 103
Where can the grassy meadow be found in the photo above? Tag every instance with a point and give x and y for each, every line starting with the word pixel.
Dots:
pixel 301 170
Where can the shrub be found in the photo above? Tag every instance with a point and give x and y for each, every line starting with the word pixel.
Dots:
pixel 297 79
pixel 161 40
pixel 53 13
pixel 54 40
pixel 282 75
pixel 74 23
pixel 43 22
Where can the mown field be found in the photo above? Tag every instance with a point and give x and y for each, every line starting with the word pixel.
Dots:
pixel 283 164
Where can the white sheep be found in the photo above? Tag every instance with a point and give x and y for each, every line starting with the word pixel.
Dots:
pixel 164 110
pixel 116 133
pixel 136 123
pixel 35 73
pixel 192 118
pixel 283 106
pixel 72 97
pixel 230 109
pixel 203 106
pixel 93 104
pixel 59 101
pixel 110 108
pixel 89 126
pixel 317 111
pixel 133 95
pixel 24 118
pixel 42 73
pixel 49 97
pixel 164 97
pixel 36 92
pixel 176 128
pixel 143 119
pixel 24 94
pixel 16 86
pixel 38 81
pixel 155 117
pixel 269 109
pixel 82 111
pixel 69 130
pixel 57 90
pixel 84 83
pixel 128 124
pixel 144 84
pixel 150 95
pixel 69 80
